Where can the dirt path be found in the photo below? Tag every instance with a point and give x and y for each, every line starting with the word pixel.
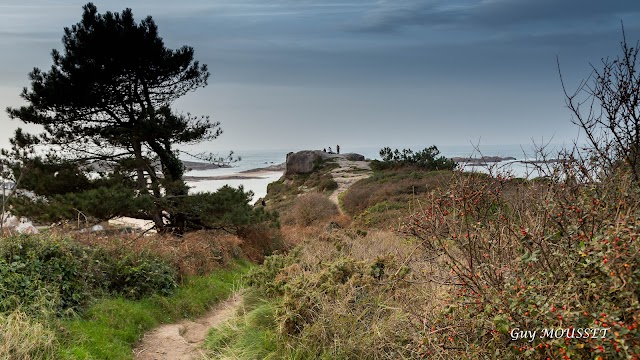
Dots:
pixel 346 175
pixel 182 341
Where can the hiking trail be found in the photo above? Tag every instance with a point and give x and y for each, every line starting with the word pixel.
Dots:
pixel 182 340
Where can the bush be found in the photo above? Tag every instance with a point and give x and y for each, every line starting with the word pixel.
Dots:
pixel 136 275
pixel 327 184
pixel 551 256
pixel 228 208
pixel 310 208
pixel 264 277
pixel 65 274
pixel 427 159
pixel 36 267
pixel 260 240
pixel 194 253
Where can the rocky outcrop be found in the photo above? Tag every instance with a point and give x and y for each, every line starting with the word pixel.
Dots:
pixel 354 157
pixel 303 162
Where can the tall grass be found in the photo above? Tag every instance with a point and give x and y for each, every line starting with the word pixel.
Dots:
pixel 250 335
pixel 23 337
pixel 308 209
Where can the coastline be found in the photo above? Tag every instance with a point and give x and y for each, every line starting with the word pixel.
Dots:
pixel 254 174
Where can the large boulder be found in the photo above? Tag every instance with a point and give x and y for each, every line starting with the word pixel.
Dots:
pixel 303 162
pixel 354 157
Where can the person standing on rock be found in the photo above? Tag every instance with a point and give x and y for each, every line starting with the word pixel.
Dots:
pixel 338 149
pixel 330 152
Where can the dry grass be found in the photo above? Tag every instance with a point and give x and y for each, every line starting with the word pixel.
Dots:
pixel 392 187
pixel 356 293
pixel 308 209
pixel 296 234
pixel 22 337
pixel 258 241
pixel 195 253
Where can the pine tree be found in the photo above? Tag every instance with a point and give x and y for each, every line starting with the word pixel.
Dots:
pixel 106 108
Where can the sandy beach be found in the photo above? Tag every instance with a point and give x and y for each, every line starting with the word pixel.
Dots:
pixel 244 175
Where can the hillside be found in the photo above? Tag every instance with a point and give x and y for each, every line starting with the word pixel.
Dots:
pixel 442 264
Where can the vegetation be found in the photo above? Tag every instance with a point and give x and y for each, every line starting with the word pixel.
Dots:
pixel 428 262
pixel 24 337
pixel 309 208
pixel 250 335
pixel 281 193
pixel 612 132
pixel 478 266
pixel 110 328
pixel 60 275
pixel 92 298
pixel 427 159
pixel 108 146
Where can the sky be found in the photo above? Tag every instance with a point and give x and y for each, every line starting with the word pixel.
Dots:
pixel 303 74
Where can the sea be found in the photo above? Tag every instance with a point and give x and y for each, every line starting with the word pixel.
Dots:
pixel 255 159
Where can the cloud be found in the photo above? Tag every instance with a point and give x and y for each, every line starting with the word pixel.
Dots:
pixel 390 15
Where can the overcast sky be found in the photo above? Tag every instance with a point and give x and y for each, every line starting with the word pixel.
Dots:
pixel 295 74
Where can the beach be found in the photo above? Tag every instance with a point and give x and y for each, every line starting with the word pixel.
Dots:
pixel 254 180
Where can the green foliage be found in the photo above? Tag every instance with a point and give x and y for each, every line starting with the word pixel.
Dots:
pixel 327 184
pixel 135 276
pixel 97 203
pixel 342 310
pixel 378 214
pixel 427 159
pixel 32 267
pixel 228 208
pixel 105 108
pixel 264 276
pixel 65 276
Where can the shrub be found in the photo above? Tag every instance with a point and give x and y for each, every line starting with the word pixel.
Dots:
pixel 552 256
pixel 136 275
pixel 327 184
pixel 260 240
pixel 310 208
pixel 264 277
pixel 426 159
pixel 341 311
pixel 65 274
pixel 36 267
pixel 194 253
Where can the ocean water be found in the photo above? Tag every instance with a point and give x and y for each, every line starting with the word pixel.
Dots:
pixel 259 159
pixel 249 160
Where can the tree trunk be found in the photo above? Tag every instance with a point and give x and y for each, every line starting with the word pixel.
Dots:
pixel 141 166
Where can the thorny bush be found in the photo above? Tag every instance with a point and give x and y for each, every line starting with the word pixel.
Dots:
pixel 531 256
